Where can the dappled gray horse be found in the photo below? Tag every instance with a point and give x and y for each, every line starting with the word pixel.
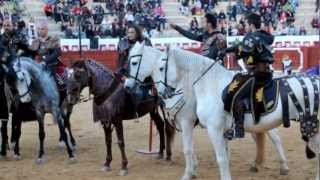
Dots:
pixel 35 85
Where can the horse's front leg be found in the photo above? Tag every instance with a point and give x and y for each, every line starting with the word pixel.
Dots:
pixel 275 138
pixel 16 137
pixel 68 126
pixel 108 138
pixel 119 131
pixel 58 117
pixel 170 133
pixel 42 136
pixel 215 131
pixel 187 141
pixel 4 137
pixel 160 127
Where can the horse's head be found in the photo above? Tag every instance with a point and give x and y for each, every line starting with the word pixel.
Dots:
pixel 21 79
pixel 166 73
pixel 140 65
pixel 78 79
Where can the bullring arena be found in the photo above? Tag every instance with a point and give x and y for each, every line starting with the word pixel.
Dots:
pixel 91 154
pixel 302 50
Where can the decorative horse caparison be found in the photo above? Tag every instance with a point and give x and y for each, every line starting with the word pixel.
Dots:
pixel 112 104
pixel 146 61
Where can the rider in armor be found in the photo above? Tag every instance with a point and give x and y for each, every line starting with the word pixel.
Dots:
pixel 15 41
pixel 48 53
pixel 212 38
pixel 256 54
pixel 134 35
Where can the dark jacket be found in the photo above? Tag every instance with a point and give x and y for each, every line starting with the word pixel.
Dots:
pixel 16 44
pixel 124 47
pixel 212 42
pixel 255 47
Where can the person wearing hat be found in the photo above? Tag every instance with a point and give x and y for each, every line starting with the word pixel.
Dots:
pixel 256 54
pixel 212 38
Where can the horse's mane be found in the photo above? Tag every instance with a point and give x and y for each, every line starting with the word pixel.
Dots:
pixel 192 68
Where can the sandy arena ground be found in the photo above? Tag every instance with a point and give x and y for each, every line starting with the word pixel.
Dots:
pixel 92 151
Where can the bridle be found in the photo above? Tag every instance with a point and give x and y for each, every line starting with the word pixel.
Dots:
pixel 24 77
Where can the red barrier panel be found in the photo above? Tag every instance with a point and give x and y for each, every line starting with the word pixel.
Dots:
pixel 302 58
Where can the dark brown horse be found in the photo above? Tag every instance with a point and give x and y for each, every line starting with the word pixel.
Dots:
pixel 112 104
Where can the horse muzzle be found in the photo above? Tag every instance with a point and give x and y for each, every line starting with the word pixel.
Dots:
pixel 129 84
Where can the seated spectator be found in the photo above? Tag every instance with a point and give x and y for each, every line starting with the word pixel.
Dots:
pixel 315 22
pixel 292 30
pixel 48 10
pixel 302 31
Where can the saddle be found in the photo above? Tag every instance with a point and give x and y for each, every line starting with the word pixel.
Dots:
pixel 260 99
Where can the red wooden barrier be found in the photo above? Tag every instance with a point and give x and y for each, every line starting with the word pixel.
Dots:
pixel 308 56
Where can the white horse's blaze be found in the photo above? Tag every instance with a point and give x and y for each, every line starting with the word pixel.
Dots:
pixel 202 101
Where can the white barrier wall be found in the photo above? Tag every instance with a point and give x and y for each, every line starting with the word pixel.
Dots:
pixel 111 44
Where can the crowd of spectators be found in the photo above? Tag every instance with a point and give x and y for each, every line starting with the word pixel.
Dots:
pixel 278 16
pixel 107 19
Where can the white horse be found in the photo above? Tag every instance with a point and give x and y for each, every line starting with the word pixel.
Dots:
pixel 206 80
pixel 144 62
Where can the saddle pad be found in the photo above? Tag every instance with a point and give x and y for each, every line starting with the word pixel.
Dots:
pixel 172 107
pixel 270 96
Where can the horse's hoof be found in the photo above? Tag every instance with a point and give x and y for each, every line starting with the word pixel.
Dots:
pixel 106 168
pixel 16 157
pixel 194 176
pixel 40 161
pixel 72 160
pixel 168 159
pixel 254 169
pixel 159 156
pixel 123 172
pixel 61 145
pixel 186 177
pixel 284 172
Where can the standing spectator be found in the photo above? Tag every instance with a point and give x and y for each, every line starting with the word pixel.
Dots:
pixel 32 30
pixel 160 17
pixel 194 25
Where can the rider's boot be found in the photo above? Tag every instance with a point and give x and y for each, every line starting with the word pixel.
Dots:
pixel 238 114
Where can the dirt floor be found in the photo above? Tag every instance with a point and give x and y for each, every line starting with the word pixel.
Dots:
pixel 91 154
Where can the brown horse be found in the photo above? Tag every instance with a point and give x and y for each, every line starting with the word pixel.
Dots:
pixel 112 104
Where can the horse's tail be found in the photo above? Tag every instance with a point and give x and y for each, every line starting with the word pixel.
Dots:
pixel 261 141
